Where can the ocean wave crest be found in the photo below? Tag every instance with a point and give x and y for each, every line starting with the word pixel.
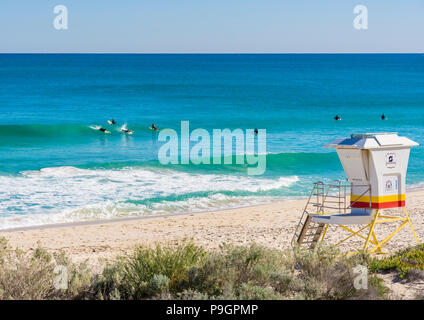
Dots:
pixel 64 194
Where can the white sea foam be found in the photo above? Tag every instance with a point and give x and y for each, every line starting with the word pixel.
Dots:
pixel 68 194
pixel 415 187
pixel 95 127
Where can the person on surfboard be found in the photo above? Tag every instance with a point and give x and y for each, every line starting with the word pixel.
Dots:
pixel 126 130
pixel 103 130
pixel 112 121
pixel 154 127
pixel 337 118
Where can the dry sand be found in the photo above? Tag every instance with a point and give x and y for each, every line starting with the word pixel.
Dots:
pixel 271 225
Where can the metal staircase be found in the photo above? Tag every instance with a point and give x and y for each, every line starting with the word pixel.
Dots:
pixel 323 199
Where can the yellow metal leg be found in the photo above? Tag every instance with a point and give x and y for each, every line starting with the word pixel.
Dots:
pixel 376 241
pixel 371 229
pixel 353 233
pixel 371 238
pixel 410 223
pixel 325 232
pixel 382 243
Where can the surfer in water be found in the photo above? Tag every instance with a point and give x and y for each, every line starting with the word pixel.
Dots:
pixel 113 122
pixel 337 118
pixel 154 127
pixel 103 130
pixel 383 117
pixel 256 131
pixel 126 130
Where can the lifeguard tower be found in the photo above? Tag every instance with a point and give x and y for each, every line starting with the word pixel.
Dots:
pixel 375 165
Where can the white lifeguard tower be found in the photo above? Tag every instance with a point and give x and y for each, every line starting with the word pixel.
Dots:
pixel 375 165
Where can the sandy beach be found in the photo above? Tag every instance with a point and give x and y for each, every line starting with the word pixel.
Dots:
pixel 271 225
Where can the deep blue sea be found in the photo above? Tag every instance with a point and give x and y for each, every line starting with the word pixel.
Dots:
pixel 54 167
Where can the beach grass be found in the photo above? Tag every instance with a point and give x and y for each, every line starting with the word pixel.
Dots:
pixel 187 271
pixel 32 275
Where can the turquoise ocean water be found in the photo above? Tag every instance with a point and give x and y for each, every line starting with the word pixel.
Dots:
pixel 55 168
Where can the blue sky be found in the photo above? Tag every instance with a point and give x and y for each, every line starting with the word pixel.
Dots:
pixel 150 26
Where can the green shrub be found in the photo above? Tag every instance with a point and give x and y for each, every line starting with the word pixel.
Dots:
pixel 187 271
pixel 146 272
pixel 377 284
pixel 109 284
pixel 323 273
pixel 191 295
pixel 249 291
pixel 32 275
pixel 402 261
pixel 158 284
pixel 225 271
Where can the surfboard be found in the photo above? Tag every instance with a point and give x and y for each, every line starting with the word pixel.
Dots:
pixel 97 128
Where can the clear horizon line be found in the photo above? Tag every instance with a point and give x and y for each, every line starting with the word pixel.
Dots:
pixel 217 53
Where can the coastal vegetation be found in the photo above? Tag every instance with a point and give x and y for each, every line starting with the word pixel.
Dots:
pixel 407 262
pixel 187 271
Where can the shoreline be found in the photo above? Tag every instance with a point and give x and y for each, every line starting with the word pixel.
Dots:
pixel 271 225
pixel 410 189
pixel 124 219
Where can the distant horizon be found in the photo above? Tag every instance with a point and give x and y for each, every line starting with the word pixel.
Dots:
pixel 207 53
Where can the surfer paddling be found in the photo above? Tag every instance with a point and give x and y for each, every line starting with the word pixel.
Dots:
pixel 154 128
pixel 103 130
pixel 125 130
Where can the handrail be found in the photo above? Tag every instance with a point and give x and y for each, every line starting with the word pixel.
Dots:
pixel 330 198
pixel 341 195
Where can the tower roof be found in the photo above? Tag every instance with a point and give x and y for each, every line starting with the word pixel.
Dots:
pixel 372 141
